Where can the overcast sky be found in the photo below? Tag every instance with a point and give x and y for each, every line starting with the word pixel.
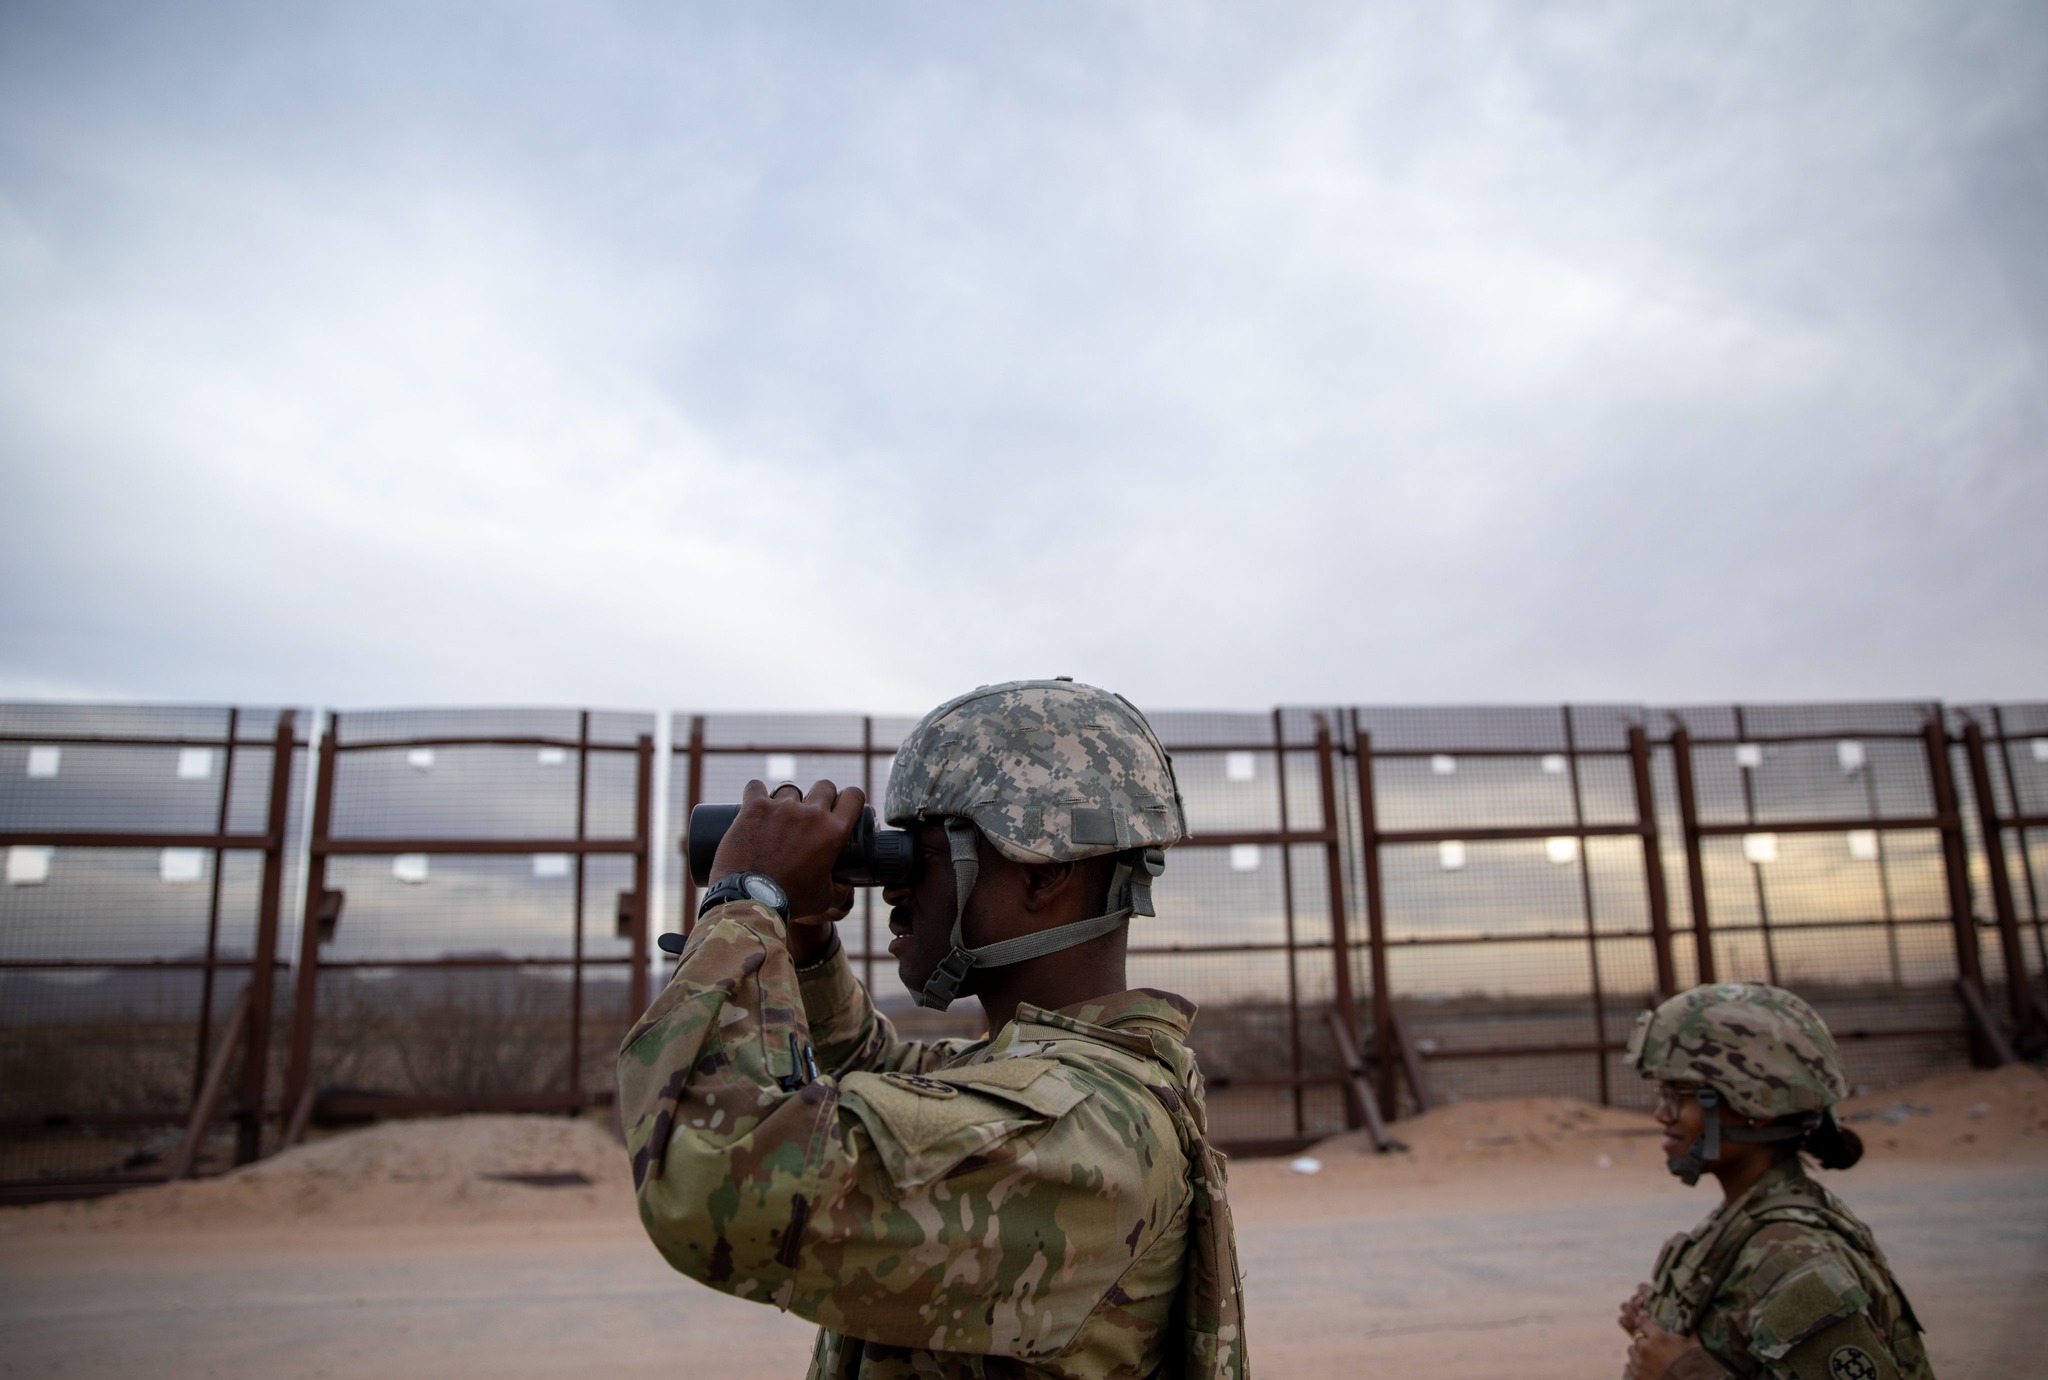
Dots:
pixel 850 355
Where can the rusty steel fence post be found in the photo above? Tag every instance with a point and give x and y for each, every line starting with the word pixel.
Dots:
pixel 693 796
pixel 1384 1035
pixel 220 826
pixel 305 997
pixel 1294 1061
pixel 1695 862
pixel 1993 830
pixel 637 995
pixel 1653 861
pixel 576 904
pixel 1333 856
pixel 1987 1045
pixel 262 973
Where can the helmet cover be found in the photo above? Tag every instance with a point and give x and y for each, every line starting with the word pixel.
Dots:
pixel 1047 770
pixel 1762 1048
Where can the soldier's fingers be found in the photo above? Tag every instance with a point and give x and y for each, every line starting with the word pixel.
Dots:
pixel 753 791
pixel 851 802
pixel 820 794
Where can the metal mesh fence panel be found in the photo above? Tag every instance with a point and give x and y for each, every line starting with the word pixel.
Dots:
pixel 1511 886
pixel 475 918
pixel 134 848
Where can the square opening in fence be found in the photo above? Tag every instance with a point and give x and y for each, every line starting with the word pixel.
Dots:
pixel 410 868
pixel 1450 855
pixel 43 761
pixel 1553 764
pixel 1849 756
pixel 1760 848
pixel 1863 845
pixel 2040 746
pixel 1562 849
pixel 1443 764
pixel 1240 766
pixel 28 864
pixel 181 864
pixel 550 864
pixel 1749 756
pixel 195 764
pixel 1244 857
pixel 420 759
pixel 781 767
pixel 551 756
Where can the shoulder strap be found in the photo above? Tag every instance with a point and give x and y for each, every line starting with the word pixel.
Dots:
pixel 1209 1315
pixel 1787 1206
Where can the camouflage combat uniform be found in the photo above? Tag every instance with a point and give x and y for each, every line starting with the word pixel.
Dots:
pixel 1041 1203
pixel 1785 1281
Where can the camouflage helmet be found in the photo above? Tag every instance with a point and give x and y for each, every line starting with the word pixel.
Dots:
pixel 1762 1048
pixel 1048 770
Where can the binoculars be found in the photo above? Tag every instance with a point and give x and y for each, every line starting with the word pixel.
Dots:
pixel 873 856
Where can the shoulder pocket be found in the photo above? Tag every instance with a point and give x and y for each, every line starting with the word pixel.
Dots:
pixel 924 1125
pixel 1816 1295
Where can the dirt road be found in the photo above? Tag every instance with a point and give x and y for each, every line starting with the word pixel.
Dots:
pixel 1485 1253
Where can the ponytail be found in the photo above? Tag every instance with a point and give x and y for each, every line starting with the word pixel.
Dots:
pixel 1834 1145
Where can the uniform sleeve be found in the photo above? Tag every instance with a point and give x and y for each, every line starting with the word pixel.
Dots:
pixel 991 1210
pixel 850 1033
pixel 1808 1310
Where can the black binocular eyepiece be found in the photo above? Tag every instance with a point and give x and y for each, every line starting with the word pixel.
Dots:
pixel 873 856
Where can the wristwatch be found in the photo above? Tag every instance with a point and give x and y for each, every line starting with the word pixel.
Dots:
pixel 746 886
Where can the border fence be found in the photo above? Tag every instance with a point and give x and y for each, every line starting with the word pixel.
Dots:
pixel 206 947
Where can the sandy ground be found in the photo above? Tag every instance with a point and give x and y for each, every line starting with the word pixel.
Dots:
pixel 1498 1245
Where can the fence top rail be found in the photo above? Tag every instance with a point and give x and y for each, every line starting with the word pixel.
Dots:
pixel 484 740
pixel 128 838
pixel 1454 751
pixel 167 740
pixel 1741 739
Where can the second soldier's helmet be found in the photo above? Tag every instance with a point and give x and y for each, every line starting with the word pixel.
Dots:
pixel 1047 771
pixel 1762 1048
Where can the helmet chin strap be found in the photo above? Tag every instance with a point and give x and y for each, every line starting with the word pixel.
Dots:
pixel 1702 1153
pixel 1130 891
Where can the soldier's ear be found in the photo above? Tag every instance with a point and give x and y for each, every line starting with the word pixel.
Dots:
pixel 1046 884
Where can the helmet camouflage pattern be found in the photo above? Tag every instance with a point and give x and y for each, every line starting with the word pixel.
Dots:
pixel 1761 1047
pixel 1047 770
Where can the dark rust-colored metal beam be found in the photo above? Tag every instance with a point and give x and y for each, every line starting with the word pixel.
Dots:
pixel 109 838
pixel 477 847
pixel 1841 825
pixel 1411 1064
pixel 204 1106
pixel 1360 1101
pixel 1294 1063
pixel 1983 1030
pixel 1695 862
pixel 1653 861
pixel 1375 913
pixel 1987 1045
pixel 305 997
pixel 643 874
pixel 1992 828
pixel 1333 862
pixel 269 916
pixel 1508 833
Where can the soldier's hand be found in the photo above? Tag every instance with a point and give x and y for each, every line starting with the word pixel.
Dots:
pixel 811 935
pixel 794 838
pixel 1632 1309
pixel 1653 1350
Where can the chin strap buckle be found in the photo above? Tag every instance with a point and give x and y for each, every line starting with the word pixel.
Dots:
pixel 946 979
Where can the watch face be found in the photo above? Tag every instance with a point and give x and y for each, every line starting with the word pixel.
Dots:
pixel 767 893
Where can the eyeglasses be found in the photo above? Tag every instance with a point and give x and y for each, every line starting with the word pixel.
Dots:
pixel 1671 1097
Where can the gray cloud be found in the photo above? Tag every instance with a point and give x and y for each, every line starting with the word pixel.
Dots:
pixel 798 358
